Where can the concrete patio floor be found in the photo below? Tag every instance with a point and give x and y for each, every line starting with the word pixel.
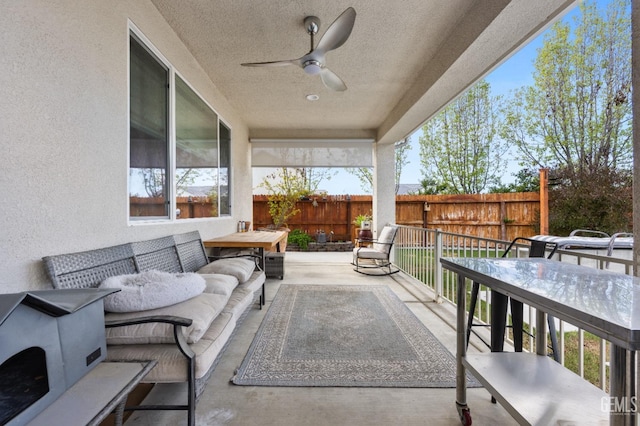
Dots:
pixel 223 403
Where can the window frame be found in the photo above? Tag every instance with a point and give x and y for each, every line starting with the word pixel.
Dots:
pixel 172 217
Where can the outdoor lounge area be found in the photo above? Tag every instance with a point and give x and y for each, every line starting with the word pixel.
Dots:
pixel 224 403
pixel 127 121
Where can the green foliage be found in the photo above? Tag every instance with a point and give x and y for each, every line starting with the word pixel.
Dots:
pixel 577 114
pixel 299 238
pixel 591 350
pixel 365 176
pixel 431 186
pixel 598 201
pixel 527 180
pixel 361 218
pixel 576 120
pixel 287 186
pixel 284 188
pixel 459 149
pixel 401 153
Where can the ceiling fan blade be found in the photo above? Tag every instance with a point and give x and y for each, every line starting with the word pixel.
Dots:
pixel 272 63
pixel 338 32
pixel 332 81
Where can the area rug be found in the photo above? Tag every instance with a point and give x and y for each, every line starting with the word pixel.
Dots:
pixel 362 336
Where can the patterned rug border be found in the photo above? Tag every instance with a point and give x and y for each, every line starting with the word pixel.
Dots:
pixel 432 365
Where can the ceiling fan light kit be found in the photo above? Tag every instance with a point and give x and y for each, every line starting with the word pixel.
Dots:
pixel 313 63
pixel 312 67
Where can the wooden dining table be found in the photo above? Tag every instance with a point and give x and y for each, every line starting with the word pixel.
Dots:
pixel 262 241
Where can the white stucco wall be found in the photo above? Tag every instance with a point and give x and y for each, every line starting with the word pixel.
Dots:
pixel 63 131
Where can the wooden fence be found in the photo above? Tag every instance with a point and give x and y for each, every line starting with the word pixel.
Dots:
pixel 188 207
pixel 496 216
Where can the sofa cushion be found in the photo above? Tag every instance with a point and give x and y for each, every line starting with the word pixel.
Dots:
pixel 255 282
pixel 172 365
pixel 202 309
pixel 150 290
pixel 219 283
pixel 239 267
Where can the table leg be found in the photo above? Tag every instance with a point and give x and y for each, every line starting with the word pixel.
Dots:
pixel 498 320
pixel 541 333
pixel 461 350
pixel 623 402
pixel 216 252
pixel 517 321
pixel 262 265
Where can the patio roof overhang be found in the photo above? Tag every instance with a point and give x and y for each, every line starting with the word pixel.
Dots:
pixel 404 60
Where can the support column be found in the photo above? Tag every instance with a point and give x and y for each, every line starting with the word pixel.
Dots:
pixel 384 186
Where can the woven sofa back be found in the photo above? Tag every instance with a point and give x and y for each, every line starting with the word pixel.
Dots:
pixel 190 251
pixel 175 253
pixel 89 268
pixel 158 254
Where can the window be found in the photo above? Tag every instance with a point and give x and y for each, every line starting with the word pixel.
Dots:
pixel 225 169
pixel 179 174
pixel 196 155
pixel 148 134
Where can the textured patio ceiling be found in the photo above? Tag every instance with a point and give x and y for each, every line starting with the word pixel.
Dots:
pixel 404 60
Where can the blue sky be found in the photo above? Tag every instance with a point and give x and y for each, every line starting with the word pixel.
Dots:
pixel 514 73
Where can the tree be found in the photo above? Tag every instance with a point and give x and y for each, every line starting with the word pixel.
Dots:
pixel 601 201
pixel 153 180
pixel 401 149
pixel 365 174
pixel 577 114
pixel 459 150
pixel 576 119
pixel 286 186
pixel 313 177
pixel 527 180
pixel 431 186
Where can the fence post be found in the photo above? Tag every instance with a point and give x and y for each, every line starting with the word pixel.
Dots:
pixel 437 256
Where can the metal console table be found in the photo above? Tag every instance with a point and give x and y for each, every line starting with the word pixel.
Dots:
pixel 532 387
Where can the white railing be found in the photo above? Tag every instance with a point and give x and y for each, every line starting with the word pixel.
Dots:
pixel 417 252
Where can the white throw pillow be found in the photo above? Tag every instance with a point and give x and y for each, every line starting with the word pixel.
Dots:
pixel 239 267
pixel 220 283
pixel 150 290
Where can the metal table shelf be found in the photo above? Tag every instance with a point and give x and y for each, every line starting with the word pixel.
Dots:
pixel 101 391
pixel 552 394
pixel 604 303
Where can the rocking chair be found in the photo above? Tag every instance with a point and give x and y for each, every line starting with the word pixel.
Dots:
pixel 377 256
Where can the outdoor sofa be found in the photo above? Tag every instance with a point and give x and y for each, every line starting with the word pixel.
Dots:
pixel 185 338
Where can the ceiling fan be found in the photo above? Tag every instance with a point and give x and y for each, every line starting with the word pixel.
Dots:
pixel 313 63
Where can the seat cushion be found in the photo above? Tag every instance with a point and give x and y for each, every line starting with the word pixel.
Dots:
pixel 202 309
pixel 172 364
pixel 369 253
pixel 255 282
pixel 239 267
pixel 150 290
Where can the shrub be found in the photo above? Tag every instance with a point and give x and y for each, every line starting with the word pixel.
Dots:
pixel 299 238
